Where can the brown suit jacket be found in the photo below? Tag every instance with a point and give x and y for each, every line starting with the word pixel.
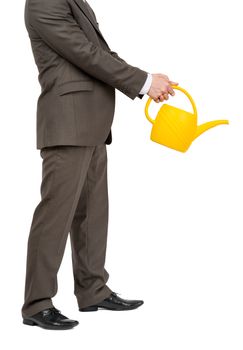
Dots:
pixel 78 74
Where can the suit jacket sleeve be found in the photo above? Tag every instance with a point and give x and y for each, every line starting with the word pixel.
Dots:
pixel 55 24
pixel 115 54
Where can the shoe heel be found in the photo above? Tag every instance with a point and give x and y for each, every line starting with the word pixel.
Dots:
pixel 29 322
pixel 89 308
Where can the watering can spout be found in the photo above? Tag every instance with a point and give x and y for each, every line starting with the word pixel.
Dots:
pixel 204 127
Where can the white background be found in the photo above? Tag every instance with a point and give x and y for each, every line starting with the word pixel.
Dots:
pixel 175 226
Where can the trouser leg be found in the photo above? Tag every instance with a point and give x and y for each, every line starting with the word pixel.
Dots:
pixel 88 233
pixel 64 170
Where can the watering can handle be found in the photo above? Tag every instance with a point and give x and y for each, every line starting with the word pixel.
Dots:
pixel 176 88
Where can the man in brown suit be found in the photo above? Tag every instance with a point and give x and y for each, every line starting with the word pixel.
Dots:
pixel 78 74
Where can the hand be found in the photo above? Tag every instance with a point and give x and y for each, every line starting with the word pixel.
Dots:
pixel 161 87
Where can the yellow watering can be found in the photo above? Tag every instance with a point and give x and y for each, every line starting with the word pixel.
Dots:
pixel 176 128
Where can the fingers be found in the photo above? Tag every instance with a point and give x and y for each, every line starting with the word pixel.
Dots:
pixel 161 87
pixel 169 88
pixel 161 98
pixel 171 91
pixel 172 82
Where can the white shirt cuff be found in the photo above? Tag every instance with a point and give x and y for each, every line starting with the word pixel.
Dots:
pixel 145 89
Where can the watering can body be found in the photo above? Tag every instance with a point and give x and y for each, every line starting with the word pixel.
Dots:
pixel 176 128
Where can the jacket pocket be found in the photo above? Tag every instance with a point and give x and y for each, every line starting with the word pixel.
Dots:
pixel 75 85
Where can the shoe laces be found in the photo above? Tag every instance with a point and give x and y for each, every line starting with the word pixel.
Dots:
pixel 52 311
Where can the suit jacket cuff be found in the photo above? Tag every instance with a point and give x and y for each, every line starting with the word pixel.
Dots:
pixel 138 82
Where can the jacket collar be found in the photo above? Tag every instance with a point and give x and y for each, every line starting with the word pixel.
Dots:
pixel 83 8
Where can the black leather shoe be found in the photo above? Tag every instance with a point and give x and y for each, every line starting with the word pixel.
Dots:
pixel 115 303
pixel 50 319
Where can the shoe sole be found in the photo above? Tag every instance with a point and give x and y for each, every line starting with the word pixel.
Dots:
pixel 96 308
pixel 29 322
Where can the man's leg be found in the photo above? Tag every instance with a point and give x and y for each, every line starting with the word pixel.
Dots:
pixel 64 170
pixel 89 233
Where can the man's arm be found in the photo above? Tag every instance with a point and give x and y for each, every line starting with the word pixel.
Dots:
pixel 54 22
pixel 115 54
pixel 148 82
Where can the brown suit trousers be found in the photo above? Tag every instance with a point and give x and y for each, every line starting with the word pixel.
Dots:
pixel 74 199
